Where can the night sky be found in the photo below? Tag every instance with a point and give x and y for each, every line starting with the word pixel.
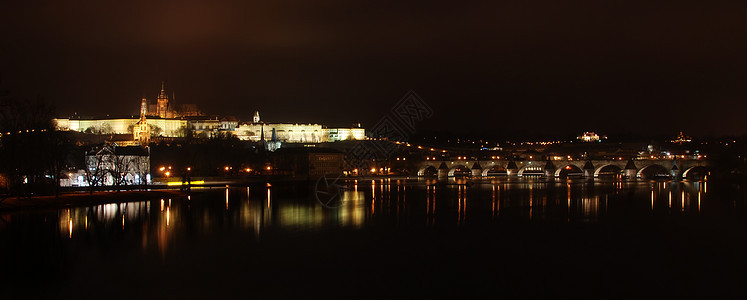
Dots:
pixel 541 67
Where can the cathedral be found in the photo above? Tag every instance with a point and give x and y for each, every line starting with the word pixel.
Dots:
pixel 167 110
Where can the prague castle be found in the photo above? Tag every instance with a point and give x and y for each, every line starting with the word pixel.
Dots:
pixel 166 119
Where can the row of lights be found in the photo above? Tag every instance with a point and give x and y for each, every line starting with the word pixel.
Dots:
pixel 22 131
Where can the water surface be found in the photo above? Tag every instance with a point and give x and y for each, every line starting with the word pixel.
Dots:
pixel 390 237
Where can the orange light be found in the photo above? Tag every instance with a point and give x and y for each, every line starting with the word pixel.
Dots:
pixel 248 170
pixel 269 168
pixel 189 169
pixel 226 168
pixel 168 174
pixel 373 170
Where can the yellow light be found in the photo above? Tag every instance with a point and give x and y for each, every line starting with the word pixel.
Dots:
pixel 226 168
pixel 248 170
pixel 189 169
pixel 162 168
pixel 176 183
pixel 373 170
pixel 269 168
pixel 168 174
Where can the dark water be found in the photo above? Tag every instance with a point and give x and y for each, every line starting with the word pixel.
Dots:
pixel 390 238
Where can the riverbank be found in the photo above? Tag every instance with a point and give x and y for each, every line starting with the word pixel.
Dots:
pixel 84 199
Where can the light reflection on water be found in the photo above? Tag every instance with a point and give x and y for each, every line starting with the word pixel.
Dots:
pixel 382 202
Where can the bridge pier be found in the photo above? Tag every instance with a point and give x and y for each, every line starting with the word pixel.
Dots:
pixel 675 172
pixel 588 169
pixel 443 171
pixel 512 169
pixel 476 169
pixel 630 170
pixel 550 169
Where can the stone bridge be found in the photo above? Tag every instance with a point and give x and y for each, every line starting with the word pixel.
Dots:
pixel 678 168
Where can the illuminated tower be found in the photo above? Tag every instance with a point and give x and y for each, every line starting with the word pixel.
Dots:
pixel 141 131
pixel 255 119
pixel 162 103
pixel 144 107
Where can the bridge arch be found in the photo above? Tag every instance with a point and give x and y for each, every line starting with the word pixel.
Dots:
pixel 602 170
pixel 652 171
pixel 494 170
pixel 696 172
pixel 531 170
pixel 459 170
pixel 567 170
pixel 428 171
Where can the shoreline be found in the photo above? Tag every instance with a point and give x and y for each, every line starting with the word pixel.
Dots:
pixel 14 204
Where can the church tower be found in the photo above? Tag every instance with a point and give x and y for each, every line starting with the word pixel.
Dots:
pixel 255 118
pixel 162 103
pixel 143 106
pixel 141 131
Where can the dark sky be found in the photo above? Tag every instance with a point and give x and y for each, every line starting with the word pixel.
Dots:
pixel 549 67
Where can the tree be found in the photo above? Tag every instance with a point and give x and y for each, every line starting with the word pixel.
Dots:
pixel 155 131
pixel 28 145
pixel 95 169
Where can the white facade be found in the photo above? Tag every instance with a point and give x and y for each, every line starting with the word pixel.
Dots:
pixel 298 133
pixel 169 127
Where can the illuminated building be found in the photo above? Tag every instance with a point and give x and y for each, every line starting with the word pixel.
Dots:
pixel 682 138
pixel 123 125
pixel 132 164
pixel 591 137
pixel 163 108
pixel 162 103
pixel 163 120
pixel 141 131
pixel 296 133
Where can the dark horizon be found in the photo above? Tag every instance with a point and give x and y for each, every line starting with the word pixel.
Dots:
pixel 543 68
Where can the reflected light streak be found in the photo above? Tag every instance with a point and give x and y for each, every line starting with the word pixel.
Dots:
pixel 168 216
pixel 268 197
pixel 683 201
pixel 652 199
pixel 670 199
pixel 70 226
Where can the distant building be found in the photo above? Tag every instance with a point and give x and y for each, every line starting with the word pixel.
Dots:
pixel 110 164
pixel 121 125
pixel 297 133
pixel 163 108
pixel 591 137
pixel 141 131
pixel 163 120
pixel 682 138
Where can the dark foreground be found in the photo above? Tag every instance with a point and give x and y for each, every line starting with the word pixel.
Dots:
pixel 400 240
